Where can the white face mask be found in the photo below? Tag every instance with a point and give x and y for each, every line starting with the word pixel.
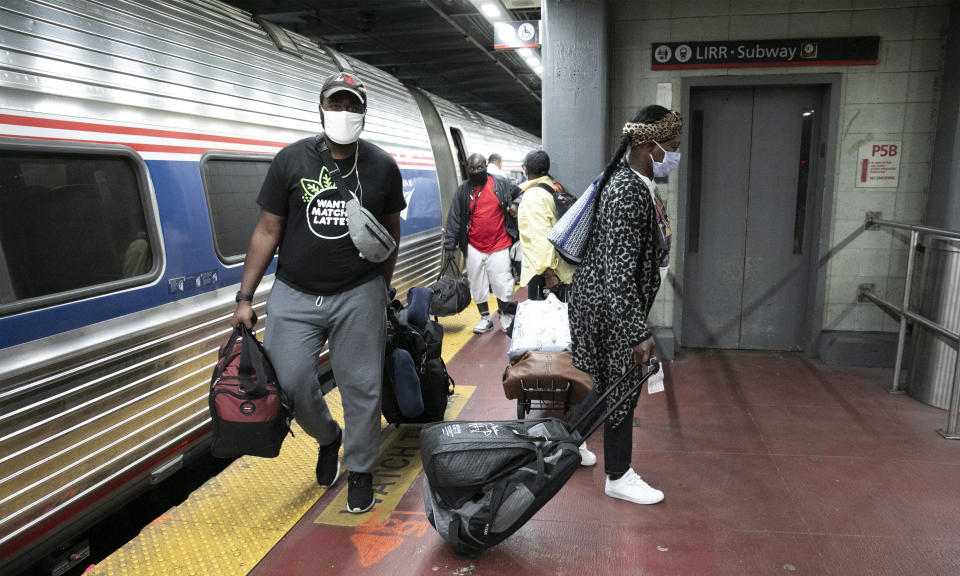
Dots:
pixel 670 161
pixel 342 127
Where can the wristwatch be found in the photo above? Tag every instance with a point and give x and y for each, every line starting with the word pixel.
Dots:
pixel 241 297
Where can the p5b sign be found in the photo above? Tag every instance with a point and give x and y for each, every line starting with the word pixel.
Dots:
pixel 878 164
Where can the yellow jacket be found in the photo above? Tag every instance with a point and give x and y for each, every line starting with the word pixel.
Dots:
pixel 536 216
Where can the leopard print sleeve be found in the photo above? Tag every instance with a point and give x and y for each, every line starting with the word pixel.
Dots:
pixel 627 255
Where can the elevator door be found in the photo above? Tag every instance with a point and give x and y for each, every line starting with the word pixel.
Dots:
pixel 753 175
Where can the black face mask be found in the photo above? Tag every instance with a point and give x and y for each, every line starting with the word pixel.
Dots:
pixel 478 178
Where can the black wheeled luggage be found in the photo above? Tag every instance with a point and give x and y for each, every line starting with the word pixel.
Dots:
pixel 484 480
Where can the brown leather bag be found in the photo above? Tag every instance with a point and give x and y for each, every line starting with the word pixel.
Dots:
pixel 546 371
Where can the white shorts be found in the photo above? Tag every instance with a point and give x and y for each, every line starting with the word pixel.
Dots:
pixel 489 272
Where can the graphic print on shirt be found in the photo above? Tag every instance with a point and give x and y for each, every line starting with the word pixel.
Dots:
pixel 326 211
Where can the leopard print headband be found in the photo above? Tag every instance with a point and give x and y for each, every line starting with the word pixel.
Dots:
pixel 659 131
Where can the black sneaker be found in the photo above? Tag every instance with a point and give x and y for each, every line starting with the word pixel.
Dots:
pixel 328 462
pixel 360 492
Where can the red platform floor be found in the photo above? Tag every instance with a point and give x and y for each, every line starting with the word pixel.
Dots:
pixel 771 464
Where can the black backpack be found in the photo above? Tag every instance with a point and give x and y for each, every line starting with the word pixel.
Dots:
pixel 562 199
pixel 424 346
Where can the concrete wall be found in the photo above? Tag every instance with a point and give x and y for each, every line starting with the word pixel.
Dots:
pixel 896 100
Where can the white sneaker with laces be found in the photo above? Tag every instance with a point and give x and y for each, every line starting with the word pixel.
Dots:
pixel 483 325
pixel 632 488
pixel 587 458
pixel 505 321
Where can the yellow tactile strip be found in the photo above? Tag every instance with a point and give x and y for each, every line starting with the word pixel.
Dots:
pixel 227 525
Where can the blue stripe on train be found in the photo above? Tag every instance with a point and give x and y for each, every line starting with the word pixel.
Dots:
pixel 188 241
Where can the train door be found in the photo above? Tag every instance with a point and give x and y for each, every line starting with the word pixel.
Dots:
pixel 461 152
pixel 446 171
pixel 753 178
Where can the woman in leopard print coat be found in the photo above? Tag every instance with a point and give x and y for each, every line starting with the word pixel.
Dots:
pixel 614 288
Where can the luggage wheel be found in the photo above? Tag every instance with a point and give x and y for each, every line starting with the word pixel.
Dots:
pixel 523 408
pixel 548 396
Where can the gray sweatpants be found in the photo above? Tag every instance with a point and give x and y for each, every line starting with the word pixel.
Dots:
pixel 298 325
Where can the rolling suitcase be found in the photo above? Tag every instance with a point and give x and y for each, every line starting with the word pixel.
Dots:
pixel 483 480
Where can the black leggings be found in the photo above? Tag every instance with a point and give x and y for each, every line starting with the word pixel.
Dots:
pixel 617 442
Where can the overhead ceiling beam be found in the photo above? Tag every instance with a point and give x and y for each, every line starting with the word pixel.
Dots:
pixel 465 56
pixel 472 40
pixel 398 35
pixel 392 50
pixel 460 70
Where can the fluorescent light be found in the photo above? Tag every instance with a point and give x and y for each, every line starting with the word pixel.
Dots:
pixel 490 10
pixel 532 61
pixel 524 52
pixel 538 69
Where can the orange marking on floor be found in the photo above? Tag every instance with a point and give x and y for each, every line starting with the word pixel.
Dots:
pixel 384 523
pixel 373 548
pixel 383 533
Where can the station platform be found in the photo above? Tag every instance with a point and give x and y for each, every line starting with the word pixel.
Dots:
pixel 771 463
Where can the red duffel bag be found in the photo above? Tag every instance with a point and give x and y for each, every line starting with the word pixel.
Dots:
pixel 250 413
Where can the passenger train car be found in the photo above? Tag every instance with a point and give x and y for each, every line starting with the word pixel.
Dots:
pixel 134 136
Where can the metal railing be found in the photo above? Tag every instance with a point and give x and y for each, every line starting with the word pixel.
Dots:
pixel 903 312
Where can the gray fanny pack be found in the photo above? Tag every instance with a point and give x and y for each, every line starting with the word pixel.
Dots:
pixel 373 241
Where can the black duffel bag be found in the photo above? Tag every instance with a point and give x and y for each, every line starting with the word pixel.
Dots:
pixel 451 293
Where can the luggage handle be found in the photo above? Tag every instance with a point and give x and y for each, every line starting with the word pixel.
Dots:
pixel 449 262
pixel 247 359
pixel 523 436
pixel 653 368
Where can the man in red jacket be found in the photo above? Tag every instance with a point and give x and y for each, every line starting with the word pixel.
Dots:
pixel 482 223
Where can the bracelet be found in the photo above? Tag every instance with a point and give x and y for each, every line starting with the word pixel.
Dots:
pixel 241 297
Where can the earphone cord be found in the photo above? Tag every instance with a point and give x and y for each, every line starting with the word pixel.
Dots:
pixel 356 156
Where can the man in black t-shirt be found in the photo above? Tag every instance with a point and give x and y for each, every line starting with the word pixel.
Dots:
pixel 326 292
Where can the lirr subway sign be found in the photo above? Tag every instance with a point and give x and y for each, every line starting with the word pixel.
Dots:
pixel 878 164
pixel 857 51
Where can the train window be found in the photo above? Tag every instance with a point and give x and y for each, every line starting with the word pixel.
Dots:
pixel 461 152
pixel 232 183
pixel 72 224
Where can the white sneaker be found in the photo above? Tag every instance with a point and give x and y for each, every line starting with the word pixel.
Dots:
pixel 483 325
pixel 505 321
pixel 587 458
pixel 632 488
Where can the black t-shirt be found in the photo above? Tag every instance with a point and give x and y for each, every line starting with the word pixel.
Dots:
pixel 316 253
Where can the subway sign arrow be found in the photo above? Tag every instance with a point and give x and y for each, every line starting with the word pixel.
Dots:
pixel 856 51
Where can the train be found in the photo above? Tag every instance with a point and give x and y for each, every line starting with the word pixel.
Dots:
pixel 134 137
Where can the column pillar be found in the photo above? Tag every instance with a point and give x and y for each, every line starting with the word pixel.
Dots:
pixel 943 201
pixel 575 107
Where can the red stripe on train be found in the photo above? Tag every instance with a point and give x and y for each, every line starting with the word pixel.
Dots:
pixel 111 129
pixel 161 148
pixel 138 146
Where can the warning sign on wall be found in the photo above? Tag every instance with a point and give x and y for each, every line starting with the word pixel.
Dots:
pixel 878 164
